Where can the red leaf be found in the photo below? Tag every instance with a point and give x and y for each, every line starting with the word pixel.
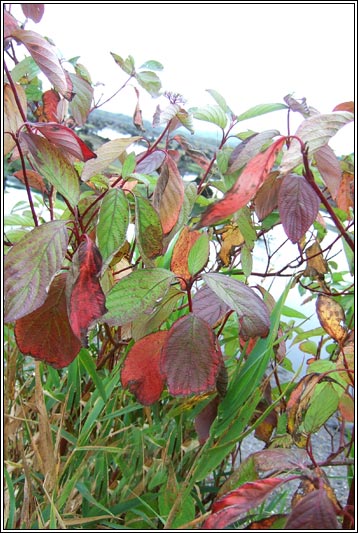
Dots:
pixel 150 163
pixel 205 418
pixel 168 195
pixel 141 372
pixel 298 206
pixel 245 188
pixel 198 157
pixel 179 261
pixel 345 106
pixel 46 333
pixel 208 306
pixel 87 300
pixel 227 509
pixel 33 11
pixel 66 139
pixel 34 179
pixel 266 198
pixel 329 168
pixel 190 357
pixel 50 101
pixel 313 511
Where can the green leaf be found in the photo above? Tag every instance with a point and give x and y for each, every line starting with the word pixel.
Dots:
pixel 211 113
pixel 30 266
pixel 136 294
pixel 199 254
pixel 128 165
pixel 11 518
pixel 27 67
pixel 250 374
pixel 220 100
pixel 222 160
pixel 148 228
pixel 293 313
pixel 323 405
pixel 113 220
pixel 308 347
pixel 161 312
pixel 127 65
pixel 166 499
pixel 152 65
pixel 52 165
pixel 244 221
pixel 149 81
pixel 89 365
pixel 260 109
pixel 246 260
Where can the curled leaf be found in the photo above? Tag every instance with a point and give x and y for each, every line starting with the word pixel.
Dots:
pixel 179 261
pixel 87 300
pixel 148 228
pixel 168 195
pixel 315 132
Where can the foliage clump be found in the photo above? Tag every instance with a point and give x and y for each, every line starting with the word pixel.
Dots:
pixel 142 347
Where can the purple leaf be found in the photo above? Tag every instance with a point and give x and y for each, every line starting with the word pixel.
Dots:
pixel 298 206
pixel 190 357
pixel 252 311
pixel 208 306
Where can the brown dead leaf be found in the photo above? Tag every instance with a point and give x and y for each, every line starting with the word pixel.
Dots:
pixel 317 480
pixel 34 179
pixel 345 195
pixel 316 265
pixel 346 407
pixel 48 462
pixel 331 316
pixel 231 237
pixel 298 404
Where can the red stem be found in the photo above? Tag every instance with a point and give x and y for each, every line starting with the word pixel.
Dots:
pixel 27 185
pixel 310 179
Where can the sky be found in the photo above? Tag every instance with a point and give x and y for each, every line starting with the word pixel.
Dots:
pixel 251 53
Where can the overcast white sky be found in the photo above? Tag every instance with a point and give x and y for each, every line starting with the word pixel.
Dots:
pixel 251 53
